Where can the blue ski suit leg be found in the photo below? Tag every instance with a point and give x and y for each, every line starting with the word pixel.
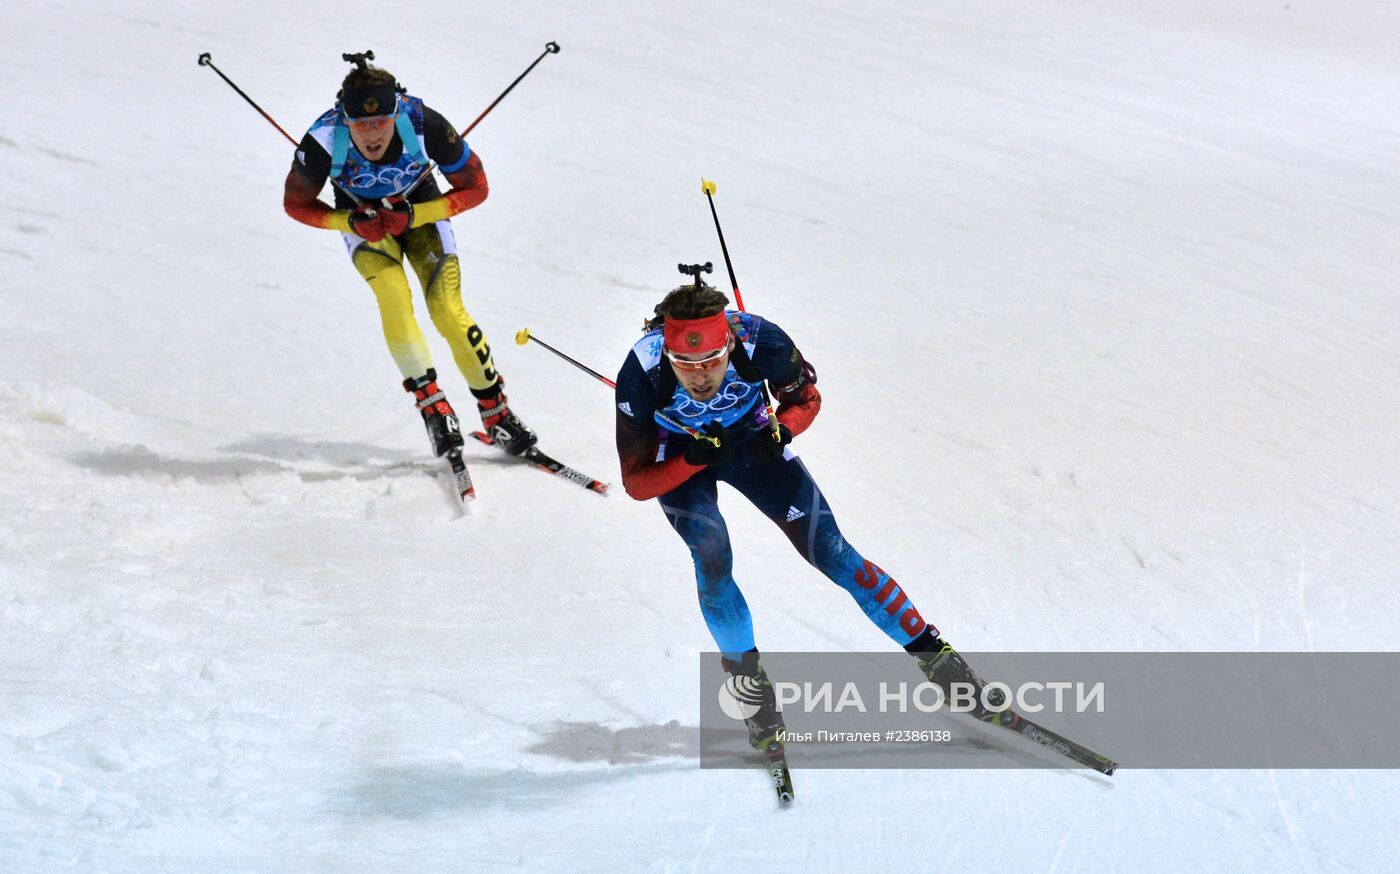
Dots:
pixel 785 492
pixel 693 510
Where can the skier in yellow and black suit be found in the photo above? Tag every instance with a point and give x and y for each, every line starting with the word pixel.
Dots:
pixel 377 142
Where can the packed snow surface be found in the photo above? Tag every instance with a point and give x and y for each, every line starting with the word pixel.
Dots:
pixel 1102 299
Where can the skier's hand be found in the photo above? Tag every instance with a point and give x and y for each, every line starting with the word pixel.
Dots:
pixel 368 223
pixel 398 217
pixel 706 452
pixel 763 448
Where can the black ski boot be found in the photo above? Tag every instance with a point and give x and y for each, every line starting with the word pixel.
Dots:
pixel 944 666
pixel 444 431
pixel 500 423
pixel 753 685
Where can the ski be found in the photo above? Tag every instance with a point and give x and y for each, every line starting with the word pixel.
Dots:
pixel 1013 721
pixel 778 771
pixel 945 667
pixel 461 477
pixel 1055 743
pixel 549 465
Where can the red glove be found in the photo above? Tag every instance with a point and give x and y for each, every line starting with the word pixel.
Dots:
pixel 398 217
pixel 368 223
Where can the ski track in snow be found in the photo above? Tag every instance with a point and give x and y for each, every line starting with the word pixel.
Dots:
pixel 1102 302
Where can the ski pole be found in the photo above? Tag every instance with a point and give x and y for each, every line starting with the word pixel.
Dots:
pixel 524 336
pixel 206 61
pixel 708 188
pixel 550 48
pixel 427 173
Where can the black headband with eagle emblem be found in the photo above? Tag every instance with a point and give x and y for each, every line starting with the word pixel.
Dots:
pixel 369 100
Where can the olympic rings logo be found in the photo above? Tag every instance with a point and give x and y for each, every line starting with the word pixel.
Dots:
pixel 398 177
pixel 730 396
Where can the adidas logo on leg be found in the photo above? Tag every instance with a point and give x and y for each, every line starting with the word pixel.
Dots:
pixel 794 514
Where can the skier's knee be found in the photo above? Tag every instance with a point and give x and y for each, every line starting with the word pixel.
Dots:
pixel 714 583
pixel 444 294
pixel 827 550
pixel 712 564
pixel 714 560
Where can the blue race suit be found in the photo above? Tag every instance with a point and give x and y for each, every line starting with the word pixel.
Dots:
pixel 651 450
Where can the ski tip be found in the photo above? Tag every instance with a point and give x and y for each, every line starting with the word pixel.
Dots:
pixel 785 798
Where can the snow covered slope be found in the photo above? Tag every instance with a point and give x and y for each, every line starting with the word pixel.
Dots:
pixel 1103 303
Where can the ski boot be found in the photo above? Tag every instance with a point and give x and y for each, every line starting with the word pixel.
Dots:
pixel 444 431
pixel 766 723
pixel 944 666
pixel 500 423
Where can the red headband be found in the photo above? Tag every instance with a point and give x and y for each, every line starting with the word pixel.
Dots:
pixel 697 335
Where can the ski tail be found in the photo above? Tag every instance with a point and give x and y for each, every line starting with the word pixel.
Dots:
pixel 461 477
pixel 778 772
pixel 549 465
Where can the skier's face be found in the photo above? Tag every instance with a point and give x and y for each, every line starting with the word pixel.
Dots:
pixel 372 135
pixel 700 373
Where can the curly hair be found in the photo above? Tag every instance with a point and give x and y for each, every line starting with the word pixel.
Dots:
pixel 367 78
pixel 692 302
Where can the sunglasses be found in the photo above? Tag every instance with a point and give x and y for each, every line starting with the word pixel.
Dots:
pixel 714 359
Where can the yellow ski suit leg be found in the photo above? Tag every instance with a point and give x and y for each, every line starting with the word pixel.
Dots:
pixel 381 265
pixel 432 252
